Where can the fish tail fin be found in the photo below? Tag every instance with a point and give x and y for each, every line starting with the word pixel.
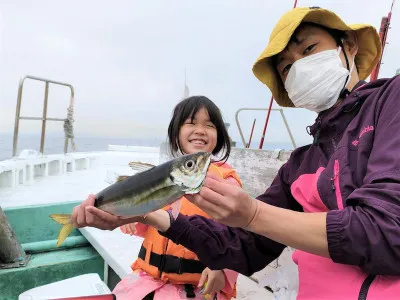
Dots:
pixel 67 226
pixel 176 207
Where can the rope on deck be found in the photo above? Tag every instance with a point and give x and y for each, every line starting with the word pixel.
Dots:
pixel 69 127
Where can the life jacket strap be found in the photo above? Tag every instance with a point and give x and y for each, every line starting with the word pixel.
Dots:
pixel 172 264
pixel 189 289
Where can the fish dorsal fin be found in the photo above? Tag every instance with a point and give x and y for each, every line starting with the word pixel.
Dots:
pixel 140 166
pixel 122 177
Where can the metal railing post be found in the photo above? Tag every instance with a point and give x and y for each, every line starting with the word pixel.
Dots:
pixel 287 126
pixel 263 109
pixel 46 97
pixel 44 117
pixel 17 116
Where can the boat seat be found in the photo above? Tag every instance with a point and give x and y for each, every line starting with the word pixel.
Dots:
pixel 83 285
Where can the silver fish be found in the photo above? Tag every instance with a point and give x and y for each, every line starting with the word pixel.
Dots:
pixel 149 190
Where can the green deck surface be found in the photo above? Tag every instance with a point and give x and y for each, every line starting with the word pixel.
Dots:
pixel 49 267
pixel 32 224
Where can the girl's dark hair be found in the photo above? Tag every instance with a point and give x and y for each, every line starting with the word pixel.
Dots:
pixel 188 108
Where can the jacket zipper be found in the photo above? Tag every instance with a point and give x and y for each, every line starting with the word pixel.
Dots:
pixel 365 287
pixel 336 186
pixel 317 133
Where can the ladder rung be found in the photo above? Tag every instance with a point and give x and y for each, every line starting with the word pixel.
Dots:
pixel 41 119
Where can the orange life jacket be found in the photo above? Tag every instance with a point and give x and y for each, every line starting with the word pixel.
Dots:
pixel 167 261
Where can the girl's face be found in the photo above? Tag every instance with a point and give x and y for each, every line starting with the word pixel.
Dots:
pixel 199 134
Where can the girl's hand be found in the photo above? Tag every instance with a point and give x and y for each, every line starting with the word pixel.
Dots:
pixel 226 203
pixel 215 281
pixel 129 228
pixel 86 214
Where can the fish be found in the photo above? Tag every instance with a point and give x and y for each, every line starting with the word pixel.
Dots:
pixel 153 188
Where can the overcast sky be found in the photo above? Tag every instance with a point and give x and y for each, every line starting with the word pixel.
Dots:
pixel 126 60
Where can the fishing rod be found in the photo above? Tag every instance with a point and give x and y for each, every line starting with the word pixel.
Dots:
pixel 383 32
pixel 269 109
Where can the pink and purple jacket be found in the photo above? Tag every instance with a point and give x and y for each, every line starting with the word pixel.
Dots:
pixel 352 172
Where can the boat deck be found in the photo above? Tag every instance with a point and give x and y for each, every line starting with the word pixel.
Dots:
pixel 72 177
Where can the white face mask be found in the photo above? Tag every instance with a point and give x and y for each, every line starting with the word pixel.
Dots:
pixel 315 82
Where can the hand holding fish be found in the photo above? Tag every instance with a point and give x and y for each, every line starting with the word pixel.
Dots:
pixel 131 197
pixel 86 214
pixel 225 203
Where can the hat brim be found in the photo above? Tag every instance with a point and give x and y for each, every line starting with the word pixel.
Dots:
pixel 368 55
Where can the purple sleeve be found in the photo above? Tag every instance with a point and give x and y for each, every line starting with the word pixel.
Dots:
pixel 367 232
pixel 222 247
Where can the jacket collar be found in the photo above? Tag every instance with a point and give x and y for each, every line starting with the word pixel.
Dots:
pixel 334 120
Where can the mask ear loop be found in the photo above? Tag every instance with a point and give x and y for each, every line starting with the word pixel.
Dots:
pixel 345 92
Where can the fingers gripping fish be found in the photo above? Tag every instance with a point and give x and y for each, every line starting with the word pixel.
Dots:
pixel 148 190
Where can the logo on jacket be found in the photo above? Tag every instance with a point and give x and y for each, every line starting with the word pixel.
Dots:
pixel 364 131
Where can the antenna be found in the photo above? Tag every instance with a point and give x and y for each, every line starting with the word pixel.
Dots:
pixel 186 89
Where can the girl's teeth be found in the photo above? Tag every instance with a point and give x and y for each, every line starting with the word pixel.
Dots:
pixel 198 142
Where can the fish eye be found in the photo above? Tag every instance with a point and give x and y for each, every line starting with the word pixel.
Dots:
pixel 189 164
